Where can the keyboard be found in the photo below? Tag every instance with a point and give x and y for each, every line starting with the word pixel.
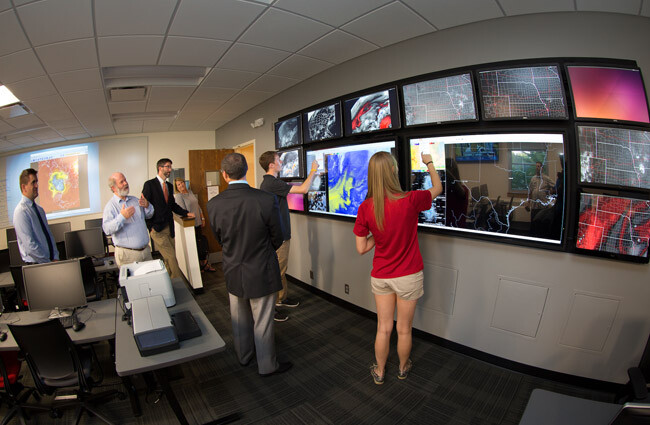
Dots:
pixel 66 321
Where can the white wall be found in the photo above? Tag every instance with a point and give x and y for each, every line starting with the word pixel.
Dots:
pixel 135 155
pixel 567 313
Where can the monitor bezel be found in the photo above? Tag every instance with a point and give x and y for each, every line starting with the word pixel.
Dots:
pixel 519 65
pixel 439 76
pixel 396 122
pixel 597 64
pixel 79 231
pixel 277 125
pixel 304 197
pixel 337 109
pixel 55 264
pixel 301 163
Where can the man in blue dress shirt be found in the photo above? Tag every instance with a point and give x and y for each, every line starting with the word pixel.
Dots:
pixel 124 219
pixel 35 240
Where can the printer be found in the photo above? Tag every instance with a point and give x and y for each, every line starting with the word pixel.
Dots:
pixel 153 329
pixel 145 279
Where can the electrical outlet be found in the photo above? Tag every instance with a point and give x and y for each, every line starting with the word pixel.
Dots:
pixel 347 288
pixel 311 274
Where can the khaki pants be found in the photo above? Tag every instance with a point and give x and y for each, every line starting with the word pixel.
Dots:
pixel 164 243
pixel 128 256
pixel 283 259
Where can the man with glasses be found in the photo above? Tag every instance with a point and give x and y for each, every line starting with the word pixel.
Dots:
pixel 160 193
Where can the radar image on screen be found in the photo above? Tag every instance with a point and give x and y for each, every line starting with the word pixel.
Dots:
pixel 287 133
pixel 323 123
pixel 531 92
pixel 615 156
pixel 343 184
pixel 614 224
pixel 440 100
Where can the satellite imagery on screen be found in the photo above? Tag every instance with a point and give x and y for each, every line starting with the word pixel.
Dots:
pixel 532 92
pixel 323 123
pixel 614 156
pixel 287 133
pixel 440 100
pixel 370 112
pixel 290 164
pixel 614 224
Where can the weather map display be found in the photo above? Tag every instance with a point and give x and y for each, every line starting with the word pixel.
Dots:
pixel 291 164
pixel 342 183
pixel 372 112
pixel 614 156
pixel 529 92
pixel 61 177
pixel 287 133
pixel 479 197
pixel 322 123
pixel 439 100
pixel 614 225
pixel 608 93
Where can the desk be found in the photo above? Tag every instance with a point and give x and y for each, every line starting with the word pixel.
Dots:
pixel 99 317
pixel 6 281
pixel 128 360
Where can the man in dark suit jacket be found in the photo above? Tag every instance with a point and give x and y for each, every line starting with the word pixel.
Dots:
pixel 246 222
pixel 160 193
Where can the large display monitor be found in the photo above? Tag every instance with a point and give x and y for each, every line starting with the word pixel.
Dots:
pixel 614 156
pixel 614 226
pixel 534 92
pixel 372 112
pixel 296 201
pixel 342 183
pixel 85 243
pixel 291 164
pixel 322 123
pixel 608 93
pixel 288 133
pixel 55 285
pixel 510 197
pixel 440 100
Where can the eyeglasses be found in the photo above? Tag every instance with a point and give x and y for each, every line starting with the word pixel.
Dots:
pixel 167 166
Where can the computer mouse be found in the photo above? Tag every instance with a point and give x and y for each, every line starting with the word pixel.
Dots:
pixel 3 336
pixel 77 326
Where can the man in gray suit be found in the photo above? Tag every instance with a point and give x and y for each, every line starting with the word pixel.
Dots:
pixel 246 222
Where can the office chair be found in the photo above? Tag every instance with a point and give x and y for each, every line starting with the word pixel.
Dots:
pixel 56 363
pixel 12 391
pixel 91 285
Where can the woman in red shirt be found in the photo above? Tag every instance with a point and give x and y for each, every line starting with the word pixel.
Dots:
pixel 387 221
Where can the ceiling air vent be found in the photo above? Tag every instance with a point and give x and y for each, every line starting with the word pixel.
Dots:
pixel 128 93
pixel 13 111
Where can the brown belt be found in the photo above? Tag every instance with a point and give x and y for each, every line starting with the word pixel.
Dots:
pixel 132 249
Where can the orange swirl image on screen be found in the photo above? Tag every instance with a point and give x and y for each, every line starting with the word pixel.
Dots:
pixel 59 184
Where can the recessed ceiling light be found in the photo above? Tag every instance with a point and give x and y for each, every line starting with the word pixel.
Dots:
pixel 7 97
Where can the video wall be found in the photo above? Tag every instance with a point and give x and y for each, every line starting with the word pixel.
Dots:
pixel 551 153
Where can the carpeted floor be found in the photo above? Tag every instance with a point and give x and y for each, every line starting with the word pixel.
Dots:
pixel 331 348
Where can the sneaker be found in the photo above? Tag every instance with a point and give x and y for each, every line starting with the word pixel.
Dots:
pixel 288 302
pixel 375 376
pixel 402 374
pixel 280 317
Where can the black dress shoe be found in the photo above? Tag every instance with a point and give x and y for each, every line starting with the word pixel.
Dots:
pixel 247 363
pixel 282 367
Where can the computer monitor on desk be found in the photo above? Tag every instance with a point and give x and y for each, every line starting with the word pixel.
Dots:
pixel 54 286
pixel 85 243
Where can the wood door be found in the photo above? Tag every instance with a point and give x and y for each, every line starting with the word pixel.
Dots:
pixel 249 153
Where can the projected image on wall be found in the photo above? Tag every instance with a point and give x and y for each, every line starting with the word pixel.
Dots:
pixel 343 183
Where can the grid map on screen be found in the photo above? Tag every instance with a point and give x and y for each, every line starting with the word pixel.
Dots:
pixel 614 156
pixel 532 92
pixel 439 100
pixel 613 224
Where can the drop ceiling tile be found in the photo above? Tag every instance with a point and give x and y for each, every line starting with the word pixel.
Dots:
pixel 330 11
pixel 19 66
pixel 246 57
pixel 245 100
pixel 12 35
pixel 45 103
pixel 7 146
pixel 522 7
pixel 4 5
pixel 224 20
pixel 404 24
pixel 21 2
pixel 447 14
pixel 65 132
pixel 24 121
pixel 56 114
pixel 645 10
pixel 154 126
pixel 123 127
pixel 337 47
pixel 60 125
pixel 50 21
pixel 32 88
pixel 196 113
pixel 128 17
pixel 126 107
pixel 85 79
pixel 46 135
pixel 23 141
pixel 296 31
pixel 5 128
pixel 130 50
pixel 619 6
pixel 272 83
pixel 68 55
pixel 185 126
pixel 213 94
pixel 169 94
pixel 192 51
pixel 229 78
pixel 77 136
pixel 89 106
pixel 299 67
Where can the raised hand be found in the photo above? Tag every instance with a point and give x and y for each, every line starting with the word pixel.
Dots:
pixel 127 212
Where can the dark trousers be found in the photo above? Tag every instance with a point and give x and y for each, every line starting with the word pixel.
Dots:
pixel 201 243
